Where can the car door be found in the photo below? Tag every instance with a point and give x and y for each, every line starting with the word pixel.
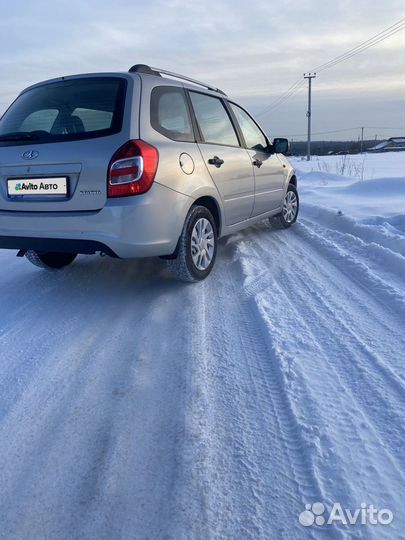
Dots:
pixel 269 171
pixel 228 163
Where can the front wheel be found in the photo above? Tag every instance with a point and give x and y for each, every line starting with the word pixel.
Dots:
pixel 197 248
pixel 48 259
pixel 291 205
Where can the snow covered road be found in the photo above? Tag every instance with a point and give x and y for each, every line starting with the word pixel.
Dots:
pixel 133 406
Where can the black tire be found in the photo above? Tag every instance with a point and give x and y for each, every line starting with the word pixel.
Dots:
pixel 280 219
pixel 183 266
pixel 49 259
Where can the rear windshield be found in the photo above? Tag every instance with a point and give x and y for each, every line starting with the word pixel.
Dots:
pixel 65 111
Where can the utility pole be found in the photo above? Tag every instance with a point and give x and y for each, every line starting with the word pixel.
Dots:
pixel 309 76
pixel 362 137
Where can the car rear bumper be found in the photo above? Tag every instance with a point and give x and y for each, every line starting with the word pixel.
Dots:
pixel 141 226
pixel 64 245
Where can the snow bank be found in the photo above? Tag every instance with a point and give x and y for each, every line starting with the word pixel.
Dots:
pixel 381 187
pixel 366 166
pixel 370 200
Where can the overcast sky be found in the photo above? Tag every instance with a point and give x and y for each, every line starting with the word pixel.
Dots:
pixel 254 51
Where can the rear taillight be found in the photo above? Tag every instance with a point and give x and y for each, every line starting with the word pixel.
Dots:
pixel 132 169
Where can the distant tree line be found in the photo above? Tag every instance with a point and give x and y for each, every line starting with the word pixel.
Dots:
pixel 322 148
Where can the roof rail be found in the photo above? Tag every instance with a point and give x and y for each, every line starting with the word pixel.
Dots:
pixel 142 68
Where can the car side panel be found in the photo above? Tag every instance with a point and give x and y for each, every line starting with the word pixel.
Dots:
pixel 269 182
pixel 234 180
pixel 181 166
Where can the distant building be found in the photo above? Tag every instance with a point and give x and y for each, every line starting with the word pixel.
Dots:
pixel 394 144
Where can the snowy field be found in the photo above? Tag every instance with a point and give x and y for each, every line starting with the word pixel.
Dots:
pixel 133 406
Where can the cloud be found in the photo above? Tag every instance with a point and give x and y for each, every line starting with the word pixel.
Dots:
pixel 253 50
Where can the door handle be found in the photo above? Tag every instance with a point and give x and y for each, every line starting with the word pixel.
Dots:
pixel 257 163
pixel 216 161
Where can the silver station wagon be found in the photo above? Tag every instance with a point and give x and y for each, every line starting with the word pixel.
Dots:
pixel 138 164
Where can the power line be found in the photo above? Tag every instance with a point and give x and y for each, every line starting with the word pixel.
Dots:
pixel 283 97
pixel 374 40
pixel 342 130
pixel 287 96
pixel 371 42
pixel 379 127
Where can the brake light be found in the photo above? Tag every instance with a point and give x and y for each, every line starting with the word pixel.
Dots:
pixel 132 169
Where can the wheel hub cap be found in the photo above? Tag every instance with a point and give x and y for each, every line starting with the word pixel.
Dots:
pixel 290 206
pixel 202 244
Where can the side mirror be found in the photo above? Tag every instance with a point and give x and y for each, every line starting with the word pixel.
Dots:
pixel 280 145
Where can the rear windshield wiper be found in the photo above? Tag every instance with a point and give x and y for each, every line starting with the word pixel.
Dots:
pixel 19 136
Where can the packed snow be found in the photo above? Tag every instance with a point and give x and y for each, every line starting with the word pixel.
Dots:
pixel 133 406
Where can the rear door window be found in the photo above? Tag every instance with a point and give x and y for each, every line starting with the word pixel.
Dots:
pixel 213 120
pixel 68 110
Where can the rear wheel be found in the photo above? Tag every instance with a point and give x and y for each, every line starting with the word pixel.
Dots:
pixel 197 246
pixel 291 204
pixel 50 259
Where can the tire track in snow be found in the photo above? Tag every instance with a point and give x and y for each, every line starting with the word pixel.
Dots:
pixel 218 445
pixel 346 225
pixel 356 270
pixel 277 281
pixel 299 391
pixel 276 407
pixel 344 306
pixel 375 256
pixel 273 461
pixel 382 406
pixel 67 442
pixel 376 323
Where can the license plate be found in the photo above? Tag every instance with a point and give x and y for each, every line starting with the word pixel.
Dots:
pixel 28 187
